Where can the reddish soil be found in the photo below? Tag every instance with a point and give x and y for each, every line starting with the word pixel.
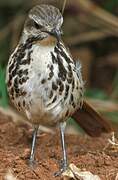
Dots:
pixel 85 152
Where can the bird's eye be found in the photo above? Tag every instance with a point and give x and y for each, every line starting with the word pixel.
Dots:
pixel 37 26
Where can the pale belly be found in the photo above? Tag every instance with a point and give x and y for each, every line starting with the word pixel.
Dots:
pixel 48 107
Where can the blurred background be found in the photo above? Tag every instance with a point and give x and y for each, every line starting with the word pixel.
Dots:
pixel 90 31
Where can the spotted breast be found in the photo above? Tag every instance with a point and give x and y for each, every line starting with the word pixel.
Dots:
pixel 43 82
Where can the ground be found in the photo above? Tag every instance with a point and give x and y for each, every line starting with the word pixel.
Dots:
pixel 91 154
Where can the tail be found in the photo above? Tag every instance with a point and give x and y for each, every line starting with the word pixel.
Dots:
pixel 91 121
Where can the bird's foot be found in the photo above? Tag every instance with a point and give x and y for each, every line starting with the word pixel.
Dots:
pixel 63 168
pixel 32 164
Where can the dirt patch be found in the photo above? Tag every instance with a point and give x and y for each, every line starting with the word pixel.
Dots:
pixel 85 152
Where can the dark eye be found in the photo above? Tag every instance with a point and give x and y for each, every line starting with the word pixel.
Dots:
pixel 37 26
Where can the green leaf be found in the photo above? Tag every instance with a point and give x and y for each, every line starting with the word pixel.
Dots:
pixel 96 94
pixel 110 5
pixel 3 92
pixel 113 116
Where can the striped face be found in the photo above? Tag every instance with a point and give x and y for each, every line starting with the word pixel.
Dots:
pixel 42 21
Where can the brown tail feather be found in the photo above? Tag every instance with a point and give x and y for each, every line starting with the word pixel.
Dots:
pixel 91 121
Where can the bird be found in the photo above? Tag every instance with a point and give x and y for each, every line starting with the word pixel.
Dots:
pixel 44 82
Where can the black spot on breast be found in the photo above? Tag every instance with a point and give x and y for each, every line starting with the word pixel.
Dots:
pixel 54 60
pixel 61 88
pixel 16 82
pixel 67 113
pixel 12 98
pixel 55 98
pixel 70 74
pixel 81 88
pixel 13 73
pixel 73 84
pixel 23 93
pixel 66 92
pixel 12 91
pixel 62 71
pixel 54 86
pixel 51 68
pixel 73 104
pixel 20 73
pixel 9 83
pixel 23 103
pixel 19 105
pixel 10 77
pixel 43 81
pixel 69 80
pixel 20 81
pixel 72 101
pixel 51 94
pixel 69 67
pixel 24 79
pixel 59 82
pixel 17 91
pixel 51 73
pixel 71 98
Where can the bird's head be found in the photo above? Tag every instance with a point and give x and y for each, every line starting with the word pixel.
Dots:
pixel 43 21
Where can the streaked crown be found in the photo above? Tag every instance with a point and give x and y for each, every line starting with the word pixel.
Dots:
pixel 43 18
pixel 46 15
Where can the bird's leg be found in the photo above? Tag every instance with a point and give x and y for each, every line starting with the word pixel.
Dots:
pixel 62 134
pixel 31 160
pixel 64 163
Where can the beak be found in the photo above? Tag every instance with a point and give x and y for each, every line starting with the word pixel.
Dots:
pixel 56 33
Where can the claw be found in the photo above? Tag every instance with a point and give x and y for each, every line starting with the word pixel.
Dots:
pixel 59 173
pixel 63 168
